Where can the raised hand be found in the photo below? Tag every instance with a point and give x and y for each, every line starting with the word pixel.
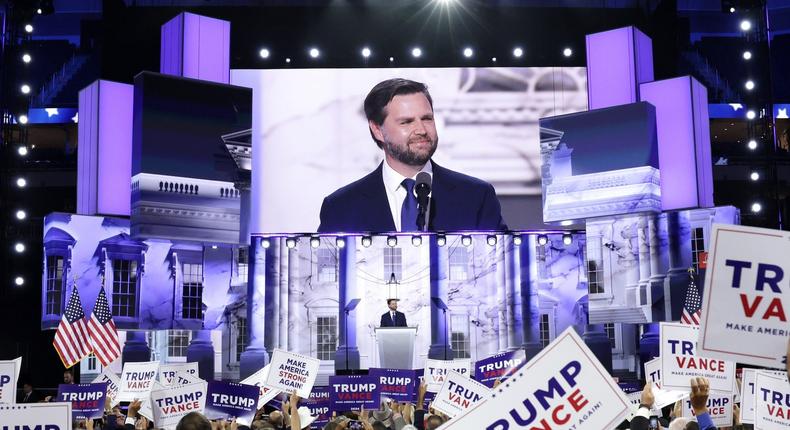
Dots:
pixel 700 389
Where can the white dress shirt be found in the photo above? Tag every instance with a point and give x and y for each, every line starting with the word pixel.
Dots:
pixel 396 193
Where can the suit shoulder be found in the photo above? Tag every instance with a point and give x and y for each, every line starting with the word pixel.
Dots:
pixel 463 180
pixel 353 189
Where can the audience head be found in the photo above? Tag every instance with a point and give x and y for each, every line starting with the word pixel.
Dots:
pixel 27 387
pixel 68 376
pixel 276 418
pixel 433 422
pixel 261 425
pixel 679 423
pixel 193 421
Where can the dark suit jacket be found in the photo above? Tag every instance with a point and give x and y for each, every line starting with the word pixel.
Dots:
pixel 400 320
pixel 458 202
pixel 34 398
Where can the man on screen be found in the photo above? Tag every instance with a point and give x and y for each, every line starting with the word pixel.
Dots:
pixel 401 121
pixel 393 318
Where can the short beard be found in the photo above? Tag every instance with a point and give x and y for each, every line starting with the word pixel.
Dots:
pixel 409 157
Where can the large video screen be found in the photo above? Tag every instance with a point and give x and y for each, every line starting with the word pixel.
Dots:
pixel 312 133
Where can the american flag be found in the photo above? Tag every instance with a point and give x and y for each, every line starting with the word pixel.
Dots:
pixel 691 307
pixel 71 338
pixel 104 336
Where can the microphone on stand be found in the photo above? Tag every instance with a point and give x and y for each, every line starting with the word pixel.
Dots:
pixel 422 188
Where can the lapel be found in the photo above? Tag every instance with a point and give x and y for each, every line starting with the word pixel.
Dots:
pixel 375 194
pixel 441 190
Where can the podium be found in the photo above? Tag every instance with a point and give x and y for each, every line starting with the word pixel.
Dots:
pixel 396 347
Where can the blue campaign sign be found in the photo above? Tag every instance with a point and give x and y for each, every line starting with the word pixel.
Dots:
pixel 396 384
pixel 352 392
pixel 87 400
pixel 231 400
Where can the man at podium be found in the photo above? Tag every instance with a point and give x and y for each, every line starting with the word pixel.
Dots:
pixel 393 318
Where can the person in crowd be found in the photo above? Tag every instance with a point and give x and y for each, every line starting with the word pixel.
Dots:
pixel 300 416
pixel 700 391
pixel 29 395
pixel 190 421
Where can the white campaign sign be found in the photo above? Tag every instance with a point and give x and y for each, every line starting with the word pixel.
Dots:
pixel 747 392
pixel 680 362
pixel 172 403
pixel 458 393
pixel 44 416
pixel 184 378
pixel 436 371
pixel 747 296
pixel 564 386
pixel 113 384
pixel 259 380
pixel 771 402
pixel 719 409
pixel 9 376
pixel 146 407
pixel 662 397
pixel 168 372
pixel 636 399
pixel 290 371
pixel 137 379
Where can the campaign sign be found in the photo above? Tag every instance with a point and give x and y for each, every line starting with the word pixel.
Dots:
pixel 87 400
pixel 184 378
pixel 259 380
pixel 436 371
pixel 458 393
pixel 662 397
pixel 113 384
pixel 9 374
pixel 290 371
pixel 172 403
pixel 635 398
pixel 137 379
pixel 226 400
pixel 395 384
pixel 747 392
pixel 719 409
pixel 564 386
pixel 146 408
pixel 319 406
pixel 488 370
pixel 747 296
pixel 168 372
pixel 43 416
pixel 680 362
pixel 352 392
pixel 771 402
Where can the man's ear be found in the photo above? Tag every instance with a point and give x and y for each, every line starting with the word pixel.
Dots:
pixel 376 130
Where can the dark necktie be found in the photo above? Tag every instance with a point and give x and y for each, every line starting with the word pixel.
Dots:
pixel 408 212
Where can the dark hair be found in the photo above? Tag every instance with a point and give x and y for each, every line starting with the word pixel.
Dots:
pixel 193 421
pixel 383 93
pixel 434 422
pixel 391 300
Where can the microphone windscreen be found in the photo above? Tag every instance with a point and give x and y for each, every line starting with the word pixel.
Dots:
pixel 423 179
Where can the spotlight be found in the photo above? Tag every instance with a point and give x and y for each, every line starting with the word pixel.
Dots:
pixel 367 241
pixel 567 52
pixel 19 281
pixel 26 58
pixel 315 242
pixel 491 240
pixel 466 240
pixel 314 52
pixel 214 246
pixel 416 52
pixel 288 60
pixel 468 52
pixel 22 119
pixel 25 88
pixel 518 52
pixel 290 243
pixel 755 176
pixel 20 214
pixel 441 240
pixel 21 182
pixel 416 240
pixel 22 150
pixel 732 10
pixel 752 144
pixel 746 25
pixel 28 28
pixel 264 53
pixel 749 85
pixel 566 223
pixel 543 240
pixel 756 207
pixel 517 240
pixel 392 241
pixel 266 243
pixel 750 114
pixel 493 59
pixel 19 247
pixel 567 239
pixel 340 242
pixel 392 59
pixel 366 52
pixel 747 55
